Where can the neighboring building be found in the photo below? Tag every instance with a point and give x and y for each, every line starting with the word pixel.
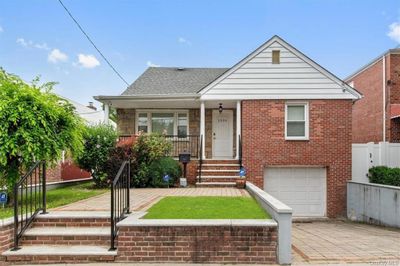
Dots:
pixel 287 119
pixel 90 113
pixel 377 116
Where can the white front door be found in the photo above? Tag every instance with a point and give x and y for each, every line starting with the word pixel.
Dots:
pixel 301 188
pixel 222 134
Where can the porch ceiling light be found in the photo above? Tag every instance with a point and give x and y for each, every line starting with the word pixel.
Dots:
pixel 220 108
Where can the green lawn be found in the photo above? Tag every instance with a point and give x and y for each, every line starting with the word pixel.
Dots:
pixel 206 208
pixel 62 196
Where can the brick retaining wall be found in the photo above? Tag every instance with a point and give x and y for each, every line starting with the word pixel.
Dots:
pixel 6 237
pixel 198 244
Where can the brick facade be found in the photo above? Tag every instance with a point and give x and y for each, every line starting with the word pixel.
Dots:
pixel 197 244
pixel 329 145
pixel 368 111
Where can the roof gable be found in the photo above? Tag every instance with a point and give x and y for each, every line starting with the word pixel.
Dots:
pixel 296 77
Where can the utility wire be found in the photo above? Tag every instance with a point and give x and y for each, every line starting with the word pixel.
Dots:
pixel 94 45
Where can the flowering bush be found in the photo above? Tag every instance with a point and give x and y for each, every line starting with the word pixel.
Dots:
pixel 99 141
pixel 147 149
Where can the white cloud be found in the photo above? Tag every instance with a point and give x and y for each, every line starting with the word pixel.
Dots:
pixel 29 43
pixel 394 31
pixel 56 56
pixel 184 41
pixel 151 64
pixel 22 42
pixel 87 61
pixel 41 46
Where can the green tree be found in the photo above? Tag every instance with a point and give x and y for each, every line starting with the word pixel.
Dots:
pixel 99 141
pixel 35 124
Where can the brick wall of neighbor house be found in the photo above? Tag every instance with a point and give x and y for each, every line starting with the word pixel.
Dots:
pixel 329 145
pixel 198 244
pixel 53 174
pixel 368 112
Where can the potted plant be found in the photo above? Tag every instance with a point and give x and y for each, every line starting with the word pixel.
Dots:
pixel 241 182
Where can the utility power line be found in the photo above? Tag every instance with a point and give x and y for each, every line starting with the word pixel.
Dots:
pixel 94 45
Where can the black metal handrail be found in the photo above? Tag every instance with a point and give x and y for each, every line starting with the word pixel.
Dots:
pixel 29 199
pixel 119 199
pixel 184 143
pixel 240 151
pixel 200 157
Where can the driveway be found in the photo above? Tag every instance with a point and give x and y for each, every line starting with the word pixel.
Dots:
pixel 344 242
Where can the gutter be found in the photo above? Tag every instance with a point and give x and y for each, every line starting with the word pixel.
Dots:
pixel 189 96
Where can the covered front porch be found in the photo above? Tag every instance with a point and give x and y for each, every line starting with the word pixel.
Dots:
pixel 206 129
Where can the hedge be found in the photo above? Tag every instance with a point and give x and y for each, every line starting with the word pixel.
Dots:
pixel 384 175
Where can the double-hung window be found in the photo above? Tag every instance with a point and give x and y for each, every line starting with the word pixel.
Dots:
pixel 296 121
pixel 163 122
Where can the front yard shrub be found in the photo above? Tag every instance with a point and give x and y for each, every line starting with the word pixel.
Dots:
pixel 147 149
pixel 35 124
pixel 99 140
pixel 384 175
pixel 115 159
pixel 164 166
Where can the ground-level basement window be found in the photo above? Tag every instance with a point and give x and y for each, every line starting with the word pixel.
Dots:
pixel 163 122
pixel 296 121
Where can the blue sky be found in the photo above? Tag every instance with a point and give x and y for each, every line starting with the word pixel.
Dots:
pixel 38 38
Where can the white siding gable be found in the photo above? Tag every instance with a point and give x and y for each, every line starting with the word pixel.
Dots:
pixel 295 77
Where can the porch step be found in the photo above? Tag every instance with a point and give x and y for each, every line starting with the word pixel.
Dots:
pixel 67 236
pixel 218 170
pixel 218 176
pixel 216 184
pixel 73 219
pixel 221 165
pixel 40 254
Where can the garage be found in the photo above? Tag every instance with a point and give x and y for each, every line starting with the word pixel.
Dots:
pixel 301 188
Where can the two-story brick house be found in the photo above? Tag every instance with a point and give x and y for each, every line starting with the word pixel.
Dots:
pixel 376 117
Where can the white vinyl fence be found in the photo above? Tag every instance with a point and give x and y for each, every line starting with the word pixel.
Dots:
pixel 365 156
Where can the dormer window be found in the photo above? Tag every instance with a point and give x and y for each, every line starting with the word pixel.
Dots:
pixel 276 54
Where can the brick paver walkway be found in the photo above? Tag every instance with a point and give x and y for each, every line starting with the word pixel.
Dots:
pixel 344 242
pixel 142 198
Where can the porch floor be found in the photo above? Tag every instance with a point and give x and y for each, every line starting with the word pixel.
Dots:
pixel 143 198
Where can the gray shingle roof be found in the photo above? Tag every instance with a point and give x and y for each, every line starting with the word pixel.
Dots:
pixel 172 80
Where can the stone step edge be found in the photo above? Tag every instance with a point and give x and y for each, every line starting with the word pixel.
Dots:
pixel 74 215
pixel 219 176
pixel 220 164
pixel 67 231
pixel 64 250
pixel 218 170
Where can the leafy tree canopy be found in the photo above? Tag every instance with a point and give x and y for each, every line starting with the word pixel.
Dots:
pixel 35 124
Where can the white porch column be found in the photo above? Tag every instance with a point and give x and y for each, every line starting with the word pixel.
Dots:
pixel 106 113
pixel 238 126
pixel 203 128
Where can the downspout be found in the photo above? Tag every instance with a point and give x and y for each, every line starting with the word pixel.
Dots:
pixel 384 95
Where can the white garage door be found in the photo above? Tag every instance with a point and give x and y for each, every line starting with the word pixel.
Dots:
pixel 301 188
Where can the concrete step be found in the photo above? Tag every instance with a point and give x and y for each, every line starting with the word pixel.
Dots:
pixel 40 254
pixel 221 165
pixel 219 170
pixel 216 184
pixel 218 177
pixel 73 219
pixel 67 236
pixel 212 161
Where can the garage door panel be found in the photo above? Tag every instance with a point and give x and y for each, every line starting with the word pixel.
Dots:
pixel 301 188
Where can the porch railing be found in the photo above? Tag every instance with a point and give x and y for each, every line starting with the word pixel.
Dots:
pixel 200 157
pixel 29 199
pixel 240 151
pixel 188 143
pixel 119 199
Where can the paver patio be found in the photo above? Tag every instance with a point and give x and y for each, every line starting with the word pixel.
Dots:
pixel 344 242
pixel 143 198
pixel 322 242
